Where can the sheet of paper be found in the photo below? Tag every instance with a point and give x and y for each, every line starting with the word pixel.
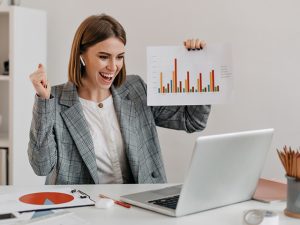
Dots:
pixel 58 219
pixel 176 76
pixel 29 217
pixel 41 200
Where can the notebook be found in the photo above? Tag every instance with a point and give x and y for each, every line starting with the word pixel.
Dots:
pixel 44 200
pixel 224 170
pixel 270 191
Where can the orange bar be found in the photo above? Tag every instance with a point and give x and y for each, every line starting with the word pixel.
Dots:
pixel 200 78
pixel 168 88
pixel 213 79
pixel 188 81
pixel 193 90
pixel 161 82
pixel 173 86
pixel 163 90
pixel 176 75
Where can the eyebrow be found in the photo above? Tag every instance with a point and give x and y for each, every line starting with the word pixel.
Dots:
pixel 106 53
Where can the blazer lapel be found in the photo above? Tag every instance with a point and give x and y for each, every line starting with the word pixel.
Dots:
pixel 126 113
pixel 78 127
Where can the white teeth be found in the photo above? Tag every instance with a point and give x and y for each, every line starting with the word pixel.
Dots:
pixel 107 76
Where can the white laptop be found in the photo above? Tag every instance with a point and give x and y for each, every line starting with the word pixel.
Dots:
pixel 224 170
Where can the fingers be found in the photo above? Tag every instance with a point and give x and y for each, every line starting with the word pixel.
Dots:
pixel 187 44
pixel 40 83
pixel 39 78
pixel 202 44
pixel 41 68
pixel 48 87
pixel 197 44
pixel 42 71
pixel 194 44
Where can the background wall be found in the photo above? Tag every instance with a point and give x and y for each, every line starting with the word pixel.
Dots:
pixel 265 36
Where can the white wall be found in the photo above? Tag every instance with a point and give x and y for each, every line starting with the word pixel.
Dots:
pixel 266 52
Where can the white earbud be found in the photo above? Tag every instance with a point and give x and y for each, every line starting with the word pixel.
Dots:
pixel 81 59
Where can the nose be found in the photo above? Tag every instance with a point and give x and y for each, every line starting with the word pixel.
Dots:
pixel 112 66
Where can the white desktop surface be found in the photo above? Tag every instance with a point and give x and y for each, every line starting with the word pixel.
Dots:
pixel 231 215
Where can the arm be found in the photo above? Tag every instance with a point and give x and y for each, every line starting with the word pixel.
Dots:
pixel 189 118
pixel 42 145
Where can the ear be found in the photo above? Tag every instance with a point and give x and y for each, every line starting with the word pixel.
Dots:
pixel 81 59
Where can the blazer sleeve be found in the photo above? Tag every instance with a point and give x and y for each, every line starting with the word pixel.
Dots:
pixel 190 118
pixel 42 146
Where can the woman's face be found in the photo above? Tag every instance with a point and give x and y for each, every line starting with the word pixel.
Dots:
pixel 103 61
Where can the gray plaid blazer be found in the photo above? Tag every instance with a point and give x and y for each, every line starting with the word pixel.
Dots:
pixel 61 145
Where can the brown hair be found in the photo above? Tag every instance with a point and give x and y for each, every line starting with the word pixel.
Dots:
pixel 92 30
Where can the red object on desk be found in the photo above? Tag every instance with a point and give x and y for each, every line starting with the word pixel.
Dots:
pixel 124 204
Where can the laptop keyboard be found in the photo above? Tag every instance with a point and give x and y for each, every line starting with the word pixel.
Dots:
pixel 169 202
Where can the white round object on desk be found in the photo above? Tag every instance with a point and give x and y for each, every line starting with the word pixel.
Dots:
pixel 104 203
pixel 260 217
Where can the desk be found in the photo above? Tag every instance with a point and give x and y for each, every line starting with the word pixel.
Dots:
pixel 117 215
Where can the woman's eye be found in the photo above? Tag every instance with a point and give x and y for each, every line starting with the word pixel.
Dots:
pixel 121 57
pixel 103 57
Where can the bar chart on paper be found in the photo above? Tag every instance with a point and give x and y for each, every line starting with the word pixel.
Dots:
pixel 176 76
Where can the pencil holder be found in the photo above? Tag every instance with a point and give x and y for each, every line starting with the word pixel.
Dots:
pixel 293 197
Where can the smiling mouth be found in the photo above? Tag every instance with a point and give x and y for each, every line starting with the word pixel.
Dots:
pixel 106 76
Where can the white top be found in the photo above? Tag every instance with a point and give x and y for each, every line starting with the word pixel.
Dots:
pixel 108 144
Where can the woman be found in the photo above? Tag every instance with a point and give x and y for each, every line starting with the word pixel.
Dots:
pixel 97 127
